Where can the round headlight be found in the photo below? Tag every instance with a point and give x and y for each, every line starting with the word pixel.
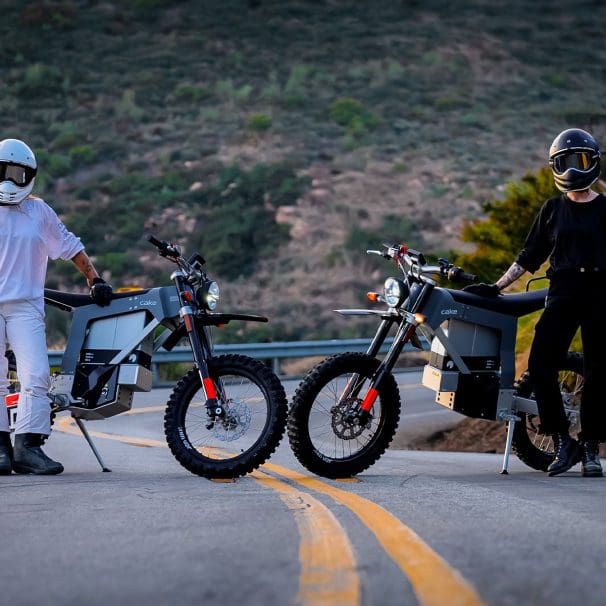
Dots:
pixel 395 292
pixel 211 295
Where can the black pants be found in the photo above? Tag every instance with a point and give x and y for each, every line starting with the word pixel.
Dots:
pixel 553 333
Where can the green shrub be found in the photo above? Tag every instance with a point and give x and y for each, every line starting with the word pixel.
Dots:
pixel 127 108
pixel 190 93
pixel 237 216
pixel 556 80
pixel 119 264
pixel 295 89
pixel 67 136
pixel 472 119
pixel 394 70
pixel 228 91
pixel 55 165
pixel 272 91
pixel 39 79
pixel 353 116
pixel 259 122
pixel 82 154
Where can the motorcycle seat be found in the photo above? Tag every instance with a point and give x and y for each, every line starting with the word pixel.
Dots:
pixel 517 305
pixel 69 300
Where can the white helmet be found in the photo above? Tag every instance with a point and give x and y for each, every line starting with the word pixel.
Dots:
pixel 18 169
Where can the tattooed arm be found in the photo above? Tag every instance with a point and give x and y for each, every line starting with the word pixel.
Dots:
pixel 86 267
pixel 100 292
pixel 510 276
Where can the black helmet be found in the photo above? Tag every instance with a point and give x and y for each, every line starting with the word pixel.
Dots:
pixel 574 158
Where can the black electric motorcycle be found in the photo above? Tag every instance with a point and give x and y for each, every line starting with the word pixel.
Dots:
pixel 345 412
pixel 224 418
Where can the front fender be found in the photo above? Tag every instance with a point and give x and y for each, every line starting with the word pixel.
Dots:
pixel 209 320
pixel 384 313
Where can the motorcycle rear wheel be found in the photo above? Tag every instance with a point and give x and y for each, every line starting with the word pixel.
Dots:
pixel 532 447
pixel 322 437
pixel 255 409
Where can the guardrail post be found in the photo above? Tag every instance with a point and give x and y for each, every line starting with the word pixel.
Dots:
pixel 155 373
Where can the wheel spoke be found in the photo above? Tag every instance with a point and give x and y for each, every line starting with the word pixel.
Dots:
pixel 247 428
pixel 536 448
pixel 332 434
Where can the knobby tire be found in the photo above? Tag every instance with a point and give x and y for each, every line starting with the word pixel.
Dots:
pixel 233 464
pixel 307 393
pixel 522 444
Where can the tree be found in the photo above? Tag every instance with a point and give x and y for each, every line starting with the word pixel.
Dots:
pixel 501 235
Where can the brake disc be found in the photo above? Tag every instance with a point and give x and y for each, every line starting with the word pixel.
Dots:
pixel 234 424
pixel 345 423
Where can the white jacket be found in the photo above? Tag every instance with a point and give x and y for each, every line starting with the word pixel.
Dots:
pixel 30 234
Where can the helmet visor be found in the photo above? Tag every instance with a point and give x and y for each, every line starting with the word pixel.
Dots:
pixel 17 173
pixel 578 160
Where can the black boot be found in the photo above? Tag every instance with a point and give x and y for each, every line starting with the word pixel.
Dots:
pixel 29 457
pixel 590 463
pixel 6 453
pixel 567 454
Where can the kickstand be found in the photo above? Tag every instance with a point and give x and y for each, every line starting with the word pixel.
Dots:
pixel 80 424
pixel 511 422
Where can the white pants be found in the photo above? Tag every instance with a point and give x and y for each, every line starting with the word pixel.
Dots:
pixel 22 325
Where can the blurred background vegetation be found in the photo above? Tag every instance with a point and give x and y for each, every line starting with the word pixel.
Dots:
pixel 283 138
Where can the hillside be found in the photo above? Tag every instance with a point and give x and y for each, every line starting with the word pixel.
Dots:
pixel 284 137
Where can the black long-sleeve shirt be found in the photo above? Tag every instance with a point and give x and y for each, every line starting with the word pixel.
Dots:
pixel 572 235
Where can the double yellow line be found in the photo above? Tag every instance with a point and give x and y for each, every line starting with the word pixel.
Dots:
pixel 328 574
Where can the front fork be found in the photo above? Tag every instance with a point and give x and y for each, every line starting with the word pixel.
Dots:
pixel 404 334
pixel 198 348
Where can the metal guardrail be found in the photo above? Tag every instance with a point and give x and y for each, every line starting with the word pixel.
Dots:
pixel 276 351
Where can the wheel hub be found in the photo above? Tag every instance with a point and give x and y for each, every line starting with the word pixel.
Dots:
pixel 233 424
pixel 346 422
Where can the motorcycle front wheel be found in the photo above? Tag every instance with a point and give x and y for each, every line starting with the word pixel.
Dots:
pixel 244 436
pixel 532 447
pixel 324 433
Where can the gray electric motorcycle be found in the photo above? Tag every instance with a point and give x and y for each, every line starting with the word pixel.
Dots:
pixel 345 412
pixel 224 418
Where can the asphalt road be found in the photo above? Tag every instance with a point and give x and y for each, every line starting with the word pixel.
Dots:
pixel 417 528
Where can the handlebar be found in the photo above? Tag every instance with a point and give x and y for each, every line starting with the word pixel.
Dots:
pixel 192 267
pixel 166 248
pixel 417 266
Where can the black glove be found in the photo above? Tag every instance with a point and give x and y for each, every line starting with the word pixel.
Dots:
pixel 483 290
pixel 101 292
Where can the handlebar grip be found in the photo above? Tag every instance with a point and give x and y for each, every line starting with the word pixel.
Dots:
pixel 166 248
pixel 468 277
pixel 456 274
pixel 157 243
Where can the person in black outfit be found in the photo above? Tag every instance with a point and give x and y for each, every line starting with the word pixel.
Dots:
pixel 570 230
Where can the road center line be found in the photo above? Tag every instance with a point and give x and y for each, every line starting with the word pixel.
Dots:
pixel 434 581
pixel 328 574
pixel 328 567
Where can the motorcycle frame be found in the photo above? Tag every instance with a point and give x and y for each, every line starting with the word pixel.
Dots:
pixel 168 306
pixel 436 305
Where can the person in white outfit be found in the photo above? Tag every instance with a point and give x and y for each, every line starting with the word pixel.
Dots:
pixel 30 234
